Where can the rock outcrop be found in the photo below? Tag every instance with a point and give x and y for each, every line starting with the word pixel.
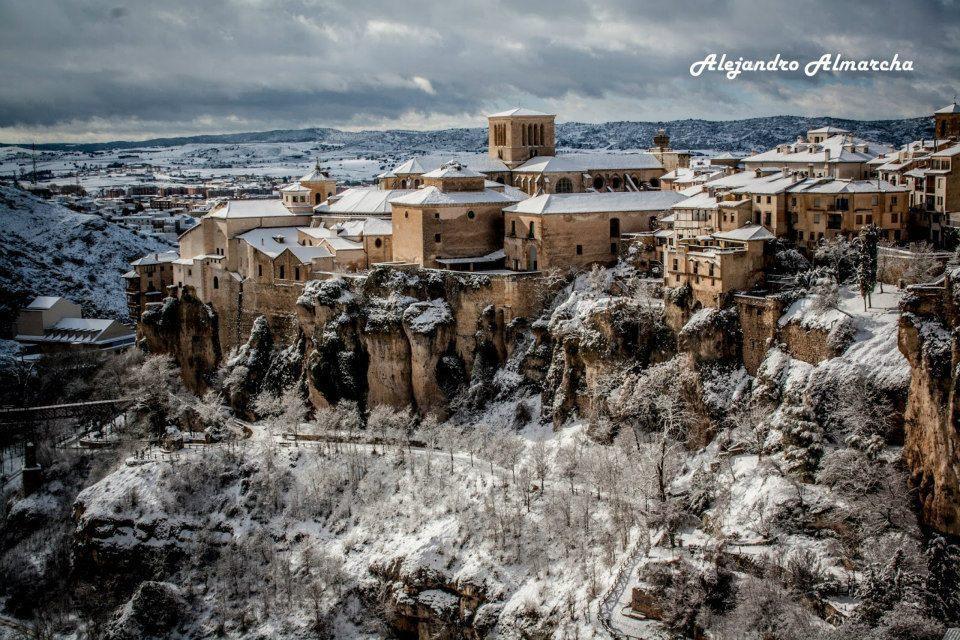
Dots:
pixel 186 329
pixel 928 338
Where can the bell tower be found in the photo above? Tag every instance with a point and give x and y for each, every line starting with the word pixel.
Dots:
pixel 517 135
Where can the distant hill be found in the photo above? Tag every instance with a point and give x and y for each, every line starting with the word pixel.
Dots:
pixel 47 249
pixel 727 135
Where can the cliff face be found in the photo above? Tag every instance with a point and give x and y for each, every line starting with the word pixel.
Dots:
pixel 407 337
pixel 929 340
pixel 186 329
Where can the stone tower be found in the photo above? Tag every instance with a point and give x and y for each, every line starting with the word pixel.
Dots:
pixel 517 135
pixel 947 121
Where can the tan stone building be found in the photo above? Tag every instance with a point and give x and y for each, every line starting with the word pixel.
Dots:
pixel 821 209
pixel 453 221
pixel 717 265
pixel 827 152
pixel 148 280
pixel 308 191
pixel 947 121
pixel 576 230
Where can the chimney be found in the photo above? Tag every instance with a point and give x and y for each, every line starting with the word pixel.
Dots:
pixel 757 172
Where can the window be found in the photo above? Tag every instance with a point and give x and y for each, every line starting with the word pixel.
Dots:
pixel 436 237
pixel 281 272
pixel 615 182
pixel 513 228
pixel 260 270
pixel 614 227
pixel 436 215
pixel 216 282
pixel 189 272
pixel 579 249
pixel 859 219
pixel 894 218
pixel 799 235
pixel 816 218
pixel 869 219
pixel 676 266
pixel 598 183
pixel 793 202
pixel 378 243
pixel 530 233
pixel 758 199
pixel 406 214
pixel 471 215
pixel 564 185
pixel 296 273
pixel 893 201
pixel 768 199
pixel 816 202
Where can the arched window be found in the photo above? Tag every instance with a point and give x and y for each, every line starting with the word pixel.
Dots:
pixel 216 282
pixel 296 273
pixel 615 182
pixel 564 185
pixel 378 243
pixel 541 134
pixel 318 198
pixel 654 182
pixel 471 215
pixel 598 183
pixel 530 233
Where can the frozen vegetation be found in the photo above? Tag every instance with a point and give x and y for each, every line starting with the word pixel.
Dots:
pixel 773 505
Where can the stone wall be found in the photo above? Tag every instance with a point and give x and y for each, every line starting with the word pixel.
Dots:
pixel 758 322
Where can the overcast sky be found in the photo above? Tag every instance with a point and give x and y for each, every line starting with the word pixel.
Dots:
pixel 104 70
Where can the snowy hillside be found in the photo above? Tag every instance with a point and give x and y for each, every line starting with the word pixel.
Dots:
pixel 728 135
pixel 47 249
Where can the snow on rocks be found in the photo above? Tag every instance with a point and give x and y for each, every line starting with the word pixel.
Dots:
pixel 425 317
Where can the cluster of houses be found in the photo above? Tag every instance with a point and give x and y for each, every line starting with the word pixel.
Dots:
pixel 522 207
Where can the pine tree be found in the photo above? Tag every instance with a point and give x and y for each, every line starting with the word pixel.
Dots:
pixel 867 259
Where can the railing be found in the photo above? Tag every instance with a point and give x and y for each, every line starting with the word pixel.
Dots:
pixel 612 596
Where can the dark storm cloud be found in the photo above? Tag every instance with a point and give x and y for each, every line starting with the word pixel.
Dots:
pixel 140 68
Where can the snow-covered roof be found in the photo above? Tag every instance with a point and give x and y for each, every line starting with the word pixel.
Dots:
pixel 44 302
pixel 364 227
pixel 82 331
pixel 948 152
pixel 700 201
pixel 841 185
pixel 316 175
pixel 586 162
pixel 272 241
pixel 155 258
pixel 432 196
pixel 597 202
pixel 250 209
pixel 828 129
pixel 953 107
pixel 294 187
pixel 452 169
pixel 518 111
pixel 837 145
pixel 480 162
pixel 748 232
pixel 362 200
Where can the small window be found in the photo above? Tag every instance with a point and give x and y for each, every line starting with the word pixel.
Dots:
pixel 378 243
pixel 296 273
pixel 281 272
pixel 436 216
pixel 471 215
pixel 579 249
pixel 406 214
pixel 768 199
pixel 436 237
pixel 260 270
pixel 216 282
pixel 513 227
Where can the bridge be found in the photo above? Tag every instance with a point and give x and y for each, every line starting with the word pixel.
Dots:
pixel 29 415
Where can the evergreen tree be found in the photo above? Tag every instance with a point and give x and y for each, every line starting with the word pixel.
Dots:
pixel 867 259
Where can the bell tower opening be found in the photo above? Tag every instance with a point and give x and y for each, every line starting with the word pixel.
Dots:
pixel 516 135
